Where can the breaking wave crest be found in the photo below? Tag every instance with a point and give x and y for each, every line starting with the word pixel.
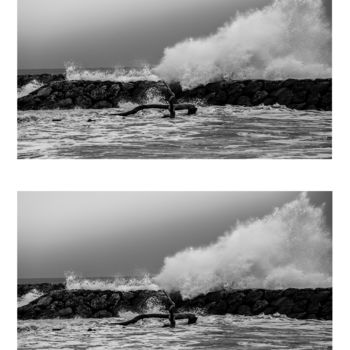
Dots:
pixel 118 283
pixel 29 297
pixel 28 88
pixel 289 248
pixel 119 74
pixel 288 39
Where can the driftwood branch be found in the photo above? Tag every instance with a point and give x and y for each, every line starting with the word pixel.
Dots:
pixel 171 317
pixel 192 109
pixel 171 100
pixel 171 106
pixel 182 316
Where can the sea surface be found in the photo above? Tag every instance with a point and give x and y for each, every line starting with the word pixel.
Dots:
pixel 210 332
pixel 215 132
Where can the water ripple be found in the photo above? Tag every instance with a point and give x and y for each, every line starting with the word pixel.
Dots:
pixel 215 132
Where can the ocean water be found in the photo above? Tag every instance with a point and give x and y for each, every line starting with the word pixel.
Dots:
pixel 210 332
pixel 215 132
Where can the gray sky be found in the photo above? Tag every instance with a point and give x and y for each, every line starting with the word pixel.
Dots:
pixel 106 233
pixel 103 33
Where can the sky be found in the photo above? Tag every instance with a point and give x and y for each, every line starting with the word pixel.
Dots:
pixel 105 33
pixel 108 233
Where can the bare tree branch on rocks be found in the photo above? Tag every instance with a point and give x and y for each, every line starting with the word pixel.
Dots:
pixel 172 107
pixel 171 317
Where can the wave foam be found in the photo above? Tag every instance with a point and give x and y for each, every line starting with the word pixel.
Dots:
pixel 119 74
pixel 289 248
pixel 118 283
pixel 29 297
pixel 28 88
pixel 288 39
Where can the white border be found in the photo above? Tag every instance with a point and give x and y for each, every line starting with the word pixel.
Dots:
pixel 313 175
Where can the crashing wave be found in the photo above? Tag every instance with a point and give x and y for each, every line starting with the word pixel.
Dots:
pixel 288 39
pixel 289 248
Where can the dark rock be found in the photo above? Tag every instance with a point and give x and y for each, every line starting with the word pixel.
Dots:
pixel 271 295
pixel 99 302
pixel 259 306
pixel 217 308
pixel 272 85
pixel 45 301
pixel 99 93
pixel 284 96
pixel 244 101
pixel 102 314
pixel 283 305
pixel 44 92
pixel 253 87
pixel 102 104
pixel 66 103
pixel 244 310
pixel 254 296
pixel 259 97
pixel 83 102
pixel 218 98
pixel 84 311
pixel 300 306
pixel 290 292
pixel 298 94
pixel 66 312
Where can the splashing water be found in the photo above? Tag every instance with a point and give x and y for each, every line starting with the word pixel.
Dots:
pixel 28 88
pixel 288 39
pixel 118 283
pixel 119 74
pixel 29 297
pixel 289 248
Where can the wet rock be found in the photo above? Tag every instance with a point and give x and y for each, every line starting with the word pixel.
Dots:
pixel 102 104
pixel 83 311
pixel 218 98
pixel 284 96
pixel 244 101
pixel 259 306
pixel 254 296
pixel 271 295
pixel 259 97
pixel 99 93
pixel 66 312
pixel 83 102
pixel 217 308
pixel 99 302
pixel 244 310
pixel 299 94
pixel 283 305
pixel 300 306
pixel 44 92
pixel 44 301
pixel 102 314
pixel 66 103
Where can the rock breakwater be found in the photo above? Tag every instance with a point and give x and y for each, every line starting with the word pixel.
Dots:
pixel 296 94
pixel 294 303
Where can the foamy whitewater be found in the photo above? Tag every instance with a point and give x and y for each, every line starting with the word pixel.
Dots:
pixel 73 281
pixel 120 74
pixel 289 248
pixel 288 39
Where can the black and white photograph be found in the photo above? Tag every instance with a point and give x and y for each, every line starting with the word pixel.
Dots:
pixel 174 270
pixel 184 79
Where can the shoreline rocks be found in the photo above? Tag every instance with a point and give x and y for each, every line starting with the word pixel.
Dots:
pixel 296 94
pixel 294 303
